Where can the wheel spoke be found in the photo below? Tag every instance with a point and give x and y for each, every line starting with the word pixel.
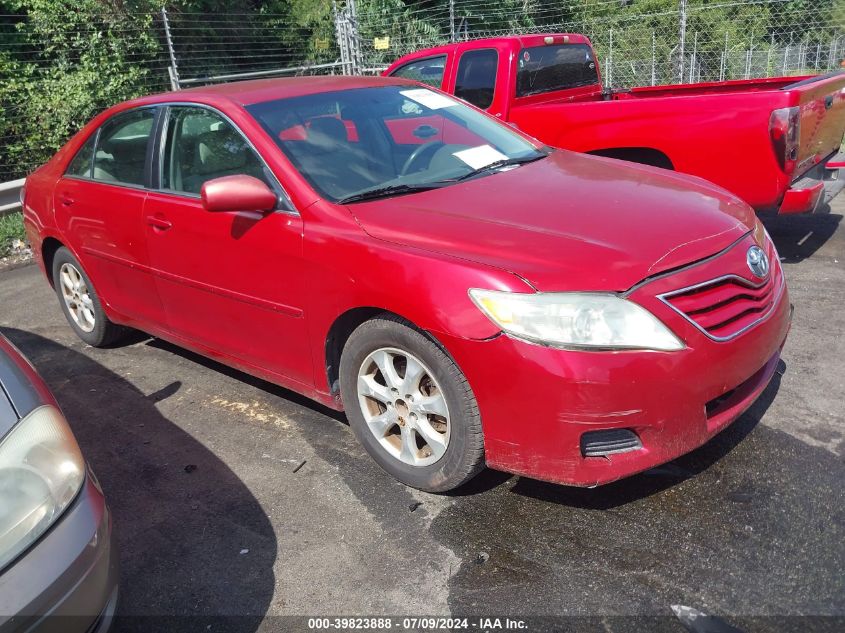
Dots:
pixel 67 281
pixel 433 405
pixel 382 423
pixel 89 316
pixel 384 361
pixel 367 386
pixel 414 371
pixel 436 441
pixel 408 454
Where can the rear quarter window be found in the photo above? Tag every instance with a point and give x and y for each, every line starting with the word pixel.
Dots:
pixel 80 166
pixel 549 68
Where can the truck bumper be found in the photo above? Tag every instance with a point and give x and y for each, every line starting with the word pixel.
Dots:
pixel 818 186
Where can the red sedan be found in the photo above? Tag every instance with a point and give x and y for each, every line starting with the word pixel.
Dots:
pixel 467 295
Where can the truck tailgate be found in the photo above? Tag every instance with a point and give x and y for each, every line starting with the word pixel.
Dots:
pixel 822 115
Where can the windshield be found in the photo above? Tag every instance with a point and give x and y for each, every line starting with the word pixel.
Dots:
pixel 548 68
pixel 388 140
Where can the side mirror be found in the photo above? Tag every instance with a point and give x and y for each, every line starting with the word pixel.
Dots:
pixel 237 193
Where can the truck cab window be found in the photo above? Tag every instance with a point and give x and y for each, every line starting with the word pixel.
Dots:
pixel 549 68
pixel 476 80
pixel 428 71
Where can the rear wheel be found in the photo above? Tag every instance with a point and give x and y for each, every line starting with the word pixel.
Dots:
pixel 410 406
pixel 80 302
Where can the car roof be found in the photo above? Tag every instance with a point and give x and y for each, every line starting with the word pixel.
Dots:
pixel 260 90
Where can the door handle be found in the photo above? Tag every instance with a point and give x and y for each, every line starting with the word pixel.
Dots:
pixel 66 200
pixel 159 223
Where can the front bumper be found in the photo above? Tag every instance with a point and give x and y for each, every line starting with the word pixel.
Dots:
pixel 537 402
pixel 816 187
pixel 67 581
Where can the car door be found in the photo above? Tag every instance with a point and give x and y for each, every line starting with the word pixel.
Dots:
pixel 232 283
pixel 99 205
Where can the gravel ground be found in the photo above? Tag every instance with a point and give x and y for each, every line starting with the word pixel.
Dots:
pixel 198 460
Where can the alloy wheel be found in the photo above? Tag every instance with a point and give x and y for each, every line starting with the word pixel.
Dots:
pixel 404 406
pixel 76 297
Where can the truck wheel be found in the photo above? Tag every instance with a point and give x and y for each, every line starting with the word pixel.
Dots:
pixel 410 406
pixel 80 302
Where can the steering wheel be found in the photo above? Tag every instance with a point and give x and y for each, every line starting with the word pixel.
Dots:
pixel 426 150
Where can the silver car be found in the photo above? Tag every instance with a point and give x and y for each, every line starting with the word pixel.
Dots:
pixel 58 560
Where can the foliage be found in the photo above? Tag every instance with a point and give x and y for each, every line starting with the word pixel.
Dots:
pixel 72 59
pixel 11 229
pixel 61 61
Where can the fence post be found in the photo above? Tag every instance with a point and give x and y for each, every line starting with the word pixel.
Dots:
pixel 653 59
pixel 451 20
pixel 769 57
pixel 682 36
pixel 748 54
pixel 693 59
pixel 173 69
pixel 608 63
pixel 723 67
pixel 346 31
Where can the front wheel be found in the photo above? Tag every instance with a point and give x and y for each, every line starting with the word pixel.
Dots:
pixel 410 406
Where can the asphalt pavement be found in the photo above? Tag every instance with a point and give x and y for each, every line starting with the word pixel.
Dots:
pixel 234 497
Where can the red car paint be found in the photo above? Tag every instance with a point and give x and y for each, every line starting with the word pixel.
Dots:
pixel 720 131
pixel 263 292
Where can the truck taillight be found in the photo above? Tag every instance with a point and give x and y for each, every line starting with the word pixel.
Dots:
pixel 784 128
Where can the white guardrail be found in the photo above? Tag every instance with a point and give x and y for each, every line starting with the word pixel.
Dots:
pixel 10 194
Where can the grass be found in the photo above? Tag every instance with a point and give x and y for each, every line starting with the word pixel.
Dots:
pixel 11 228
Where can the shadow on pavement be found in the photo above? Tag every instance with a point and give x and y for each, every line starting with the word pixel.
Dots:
pixel 248 379
pixel 797 237
pixel 183 518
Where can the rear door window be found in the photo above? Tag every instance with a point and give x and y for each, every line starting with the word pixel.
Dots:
pixel 428 71
pixel 549 68
pixel 476 79
pixel 122 147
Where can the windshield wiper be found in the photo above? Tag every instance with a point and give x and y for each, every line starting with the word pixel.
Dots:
pixel 386 192
pixel 505 162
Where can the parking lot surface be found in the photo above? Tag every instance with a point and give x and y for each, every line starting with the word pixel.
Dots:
pixel 199 463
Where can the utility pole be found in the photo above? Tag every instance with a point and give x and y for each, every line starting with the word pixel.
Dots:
pixel 173 69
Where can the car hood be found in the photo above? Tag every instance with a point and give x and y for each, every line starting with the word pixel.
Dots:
pixel 567 222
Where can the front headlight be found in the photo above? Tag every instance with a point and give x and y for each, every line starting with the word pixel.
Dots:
pixel 41 470
pixel 582 320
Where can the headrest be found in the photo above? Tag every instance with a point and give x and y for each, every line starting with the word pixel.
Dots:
pixel 220 151
pixel 327 131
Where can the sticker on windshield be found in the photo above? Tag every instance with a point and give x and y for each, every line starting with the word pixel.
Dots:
pixel 481 156
pixel 429 99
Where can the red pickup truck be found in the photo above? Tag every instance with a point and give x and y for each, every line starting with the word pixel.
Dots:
pixel 773 142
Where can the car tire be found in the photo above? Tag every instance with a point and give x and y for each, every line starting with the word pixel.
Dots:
pixel 410 437
pixel 80 302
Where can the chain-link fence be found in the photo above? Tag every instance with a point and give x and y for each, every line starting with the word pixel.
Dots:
pixel 645 42
pixel 58 67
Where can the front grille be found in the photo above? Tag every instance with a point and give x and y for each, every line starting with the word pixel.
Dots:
pixel 725 307
pixel 609 442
